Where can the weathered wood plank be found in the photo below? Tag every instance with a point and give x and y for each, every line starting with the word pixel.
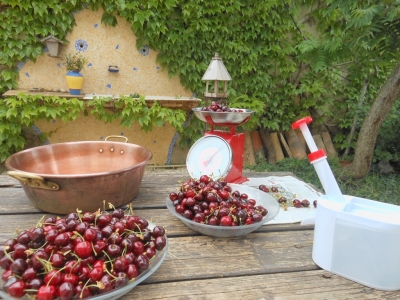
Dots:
pixel 10 223
pixel 6 181
pixel 304 285
pixel 153 192
pixel 202 257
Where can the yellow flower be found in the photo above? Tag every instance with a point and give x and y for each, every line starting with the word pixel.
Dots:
pixel 74 62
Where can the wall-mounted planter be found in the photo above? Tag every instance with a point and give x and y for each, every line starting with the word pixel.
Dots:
pixel 53 45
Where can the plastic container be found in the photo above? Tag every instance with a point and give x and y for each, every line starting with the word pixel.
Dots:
pixel 261 198
pixel 359 240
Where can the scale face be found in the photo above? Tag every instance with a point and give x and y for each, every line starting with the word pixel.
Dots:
pixel 210 155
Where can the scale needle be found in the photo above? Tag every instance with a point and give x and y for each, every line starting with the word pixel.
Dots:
pixel 206 162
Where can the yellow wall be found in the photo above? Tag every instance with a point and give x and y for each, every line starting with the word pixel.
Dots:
pixel 106 46
pixel 138 73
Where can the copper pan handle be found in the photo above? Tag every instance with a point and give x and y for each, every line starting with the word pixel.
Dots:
pixel 117 137
pixel 33 180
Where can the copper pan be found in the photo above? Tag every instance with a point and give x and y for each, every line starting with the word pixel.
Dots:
pixel 61 178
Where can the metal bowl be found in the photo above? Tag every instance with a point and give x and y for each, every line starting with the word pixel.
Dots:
pixel 156 262
pixel 261 198
pixel 60 178
pixel 222 117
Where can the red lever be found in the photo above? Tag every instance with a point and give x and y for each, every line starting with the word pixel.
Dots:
pixel 297 124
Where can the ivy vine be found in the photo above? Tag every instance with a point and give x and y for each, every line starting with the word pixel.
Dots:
pixel 25 110
pixel 277 66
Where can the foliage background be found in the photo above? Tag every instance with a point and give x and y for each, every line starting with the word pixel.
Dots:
pixel 280 67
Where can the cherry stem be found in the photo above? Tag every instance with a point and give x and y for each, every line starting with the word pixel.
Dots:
pixel 6 253
pixel 39 222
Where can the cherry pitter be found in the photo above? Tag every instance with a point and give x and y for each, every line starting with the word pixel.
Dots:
pixel 356 238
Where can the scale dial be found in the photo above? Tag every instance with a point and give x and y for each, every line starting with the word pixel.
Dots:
pixel 211 155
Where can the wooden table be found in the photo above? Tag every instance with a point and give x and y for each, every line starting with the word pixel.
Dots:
pixel 274 262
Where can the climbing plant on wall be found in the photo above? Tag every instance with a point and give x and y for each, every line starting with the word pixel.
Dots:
pixel 259 42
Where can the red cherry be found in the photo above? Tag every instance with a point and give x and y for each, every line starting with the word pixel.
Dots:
pixel 81 292
pixel 96 274
pixel 71 278
pixel 173 196
pixel 29 274
pixel 142 262
pixel 113 250
pixel 83 249
pixel 83 274
pixel 150 252
pixel 120 264
pixel 99 246
pixel 46 292
pixel 18 266
pixel 17 289
pixel 90 234
pixel 62 239
pixel 73 266
pixel 19 251
pixel 65 290
pixel 158 231
pixel 98 264
pixel 35 284
pixel 249 221
pixel 6 274
pixel 226 221
pixel 205 179
pixel 54 277
pixel 132 271
pixel 190 193
pixel 296 203
pixel 160 242
pixel 118 213
pixel 213 221
pixel 138 247
pixel 106 280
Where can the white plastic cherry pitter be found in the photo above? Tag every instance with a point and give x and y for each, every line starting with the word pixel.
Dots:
pixel 356 238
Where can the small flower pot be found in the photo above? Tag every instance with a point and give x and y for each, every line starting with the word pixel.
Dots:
pixel 74 82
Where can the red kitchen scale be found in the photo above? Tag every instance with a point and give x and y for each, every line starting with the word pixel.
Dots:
pixel 219 153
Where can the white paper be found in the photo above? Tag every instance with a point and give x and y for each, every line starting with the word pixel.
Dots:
pixel 289 187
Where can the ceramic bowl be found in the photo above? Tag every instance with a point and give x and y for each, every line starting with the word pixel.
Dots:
pixel 261 198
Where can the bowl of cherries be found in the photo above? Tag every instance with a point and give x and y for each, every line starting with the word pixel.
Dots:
pixel 221 209
pixel 217 113
pixel 101 256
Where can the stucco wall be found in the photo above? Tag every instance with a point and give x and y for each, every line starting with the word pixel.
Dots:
pixel 138 73
pixel 104 46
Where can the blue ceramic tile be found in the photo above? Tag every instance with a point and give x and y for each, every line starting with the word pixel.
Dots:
pixel 21 64
pixel 81 45
pixel 145 50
